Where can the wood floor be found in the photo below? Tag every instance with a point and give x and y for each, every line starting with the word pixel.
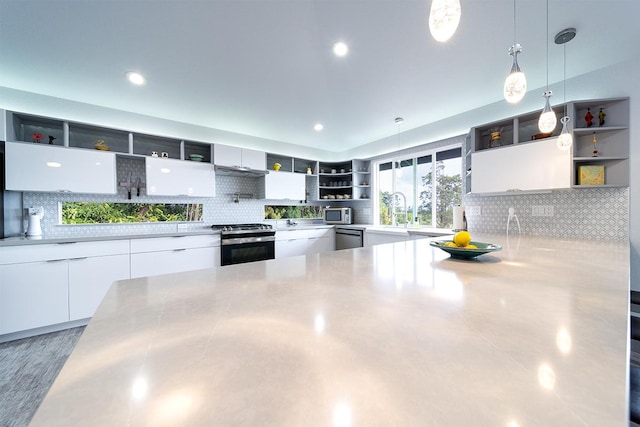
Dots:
pixel 28 367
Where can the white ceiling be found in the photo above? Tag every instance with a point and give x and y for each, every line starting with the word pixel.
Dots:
pixel 265 67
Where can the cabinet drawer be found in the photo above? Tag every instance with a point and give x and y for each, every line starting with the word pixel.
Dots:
pixel 53 251
pixel 156 244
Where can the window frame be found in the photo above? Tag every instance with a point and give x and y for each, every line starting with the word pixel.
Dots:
pixel 394 158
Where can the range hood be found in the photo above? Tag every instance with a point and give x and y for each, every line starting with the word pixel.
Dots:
pixel 240 171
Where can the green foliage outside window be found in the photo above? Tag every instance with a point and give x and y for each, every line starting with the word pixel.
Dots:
pixel 291 212
pixel 116 213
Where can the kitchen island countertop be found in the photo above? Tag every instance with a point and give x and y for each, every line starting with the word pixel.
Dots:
pixel 395 334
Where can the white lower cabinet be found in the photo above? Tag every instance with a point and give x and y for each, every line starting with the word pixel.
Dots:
pixel 372 238
pixel 300 242
pixel 33 294
pixel 164 255
pixel 321 240
pixel 89 280
pixel 48 284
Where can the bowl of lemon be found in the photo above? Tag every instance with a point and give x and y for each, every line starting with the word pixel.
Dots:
pixel 462 246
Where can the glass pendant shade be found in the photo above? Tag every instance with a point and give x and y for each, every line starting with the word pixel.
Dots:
pixel 548 120
pixel 515 86
pixel 565 139
pixel 444 19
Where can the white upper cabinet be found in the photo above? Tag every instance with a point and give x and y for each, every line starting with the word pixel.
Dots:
pixel 284 185
pixel 167 177
pixel 537 165
pixel 226 155
pixel 42 167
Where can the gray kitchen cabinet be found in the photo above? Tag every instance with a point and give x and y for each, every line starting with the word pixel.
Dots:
pixel 379 237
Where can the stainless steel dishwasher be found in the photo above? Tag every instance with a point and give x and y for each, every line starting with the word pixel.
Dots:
pixel 347 238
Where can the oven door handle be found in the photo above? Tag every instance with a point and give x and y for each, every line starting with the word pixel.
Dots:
pixel 243 240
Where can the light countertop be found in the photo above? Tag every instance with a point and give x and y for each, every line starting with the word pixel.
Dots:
pixel 395 334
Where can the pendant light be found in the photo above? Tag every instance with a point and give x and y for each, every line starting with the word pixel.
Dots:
pixel 444 18
pixel 515 86
pixel 565 139
pixel 548 120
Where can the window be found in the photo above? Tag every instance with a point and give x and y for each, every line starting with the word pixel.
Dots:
pixel 408 193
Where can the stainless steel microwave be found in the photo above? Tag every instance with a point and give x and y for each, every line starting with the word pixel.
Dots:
pixel 337 215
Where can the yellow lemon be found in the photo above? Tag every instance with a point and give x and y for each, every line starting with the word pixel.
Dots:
pixel 471 247
pixel 462 238
pixel 450 244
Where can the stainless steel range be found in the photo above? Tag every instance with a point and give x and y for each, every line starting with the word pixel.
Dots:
pixel 246 242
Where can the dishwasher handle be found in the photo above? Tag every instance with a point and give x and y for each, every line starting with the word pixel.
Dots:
pixel 349 232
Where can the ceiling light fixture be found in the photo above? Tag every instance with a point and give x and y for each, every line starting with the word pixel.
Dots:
pixel 548 120
pixel 318 127
pixel 565 139
pixel 444 18
pixel 515 86
pixel 340 49
pixel 135 78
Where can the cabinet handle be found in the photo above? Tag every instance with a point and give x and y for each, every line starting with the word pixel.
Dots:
pixel 66 243
pixel 179 250
pixel 56 260
pixel 79 258
pixel 175 237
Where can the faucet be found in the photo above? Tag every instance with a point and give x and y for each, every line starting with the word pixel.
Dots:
pixel 404 198
pixel 291 223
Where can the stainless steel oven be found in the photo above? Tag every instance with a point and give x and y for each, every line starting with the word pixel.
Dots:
pixel 242 243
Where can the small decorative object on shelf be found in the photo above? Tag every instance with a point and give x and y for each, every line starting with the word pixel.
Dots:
pixel 101 145
pixel 591 175
pixel 309 170
pixel 595 148
pixel 589 118
pixel 276 166
pixel 37 137
pixel 601 116
pixel 494 135
pixel 51 139
pixel 164 155
pixel 154 154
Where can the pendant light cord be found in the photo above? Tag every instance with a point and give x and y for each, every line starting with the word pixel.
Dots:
pixel 564 82
pixel 547 45
pixel 515 38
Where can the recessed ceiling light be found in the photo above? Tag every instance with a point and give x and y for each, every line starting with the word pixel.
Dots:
pixel 318 127
pixel 135 78
pixel 340 49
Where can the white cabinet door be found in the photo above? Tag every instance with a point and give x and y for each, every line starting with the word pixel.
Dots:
pixel 321 240
pixel 372 238
pixel 90 279
pixel 164 255
pixel 33 295
pixel 168 177
pixel 227 155
pixel 175 261
pixel 284 185
pixel 42 167
pixel 254 159
pixel 536 165
pixel 290 243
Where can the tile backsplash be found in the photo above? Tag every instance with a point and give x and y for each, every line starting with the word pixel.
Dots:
pixel 591 213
